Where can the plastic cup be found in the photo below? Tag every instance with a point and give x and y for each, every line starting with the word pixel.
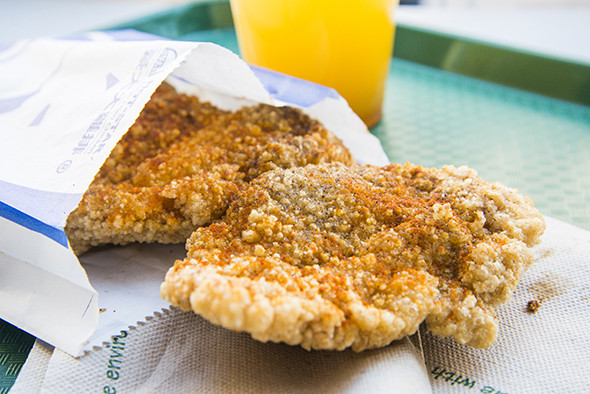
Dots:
pixel 343 44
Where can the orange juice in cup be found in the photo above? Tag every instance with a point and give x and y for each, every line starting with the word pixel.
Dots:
pixel 343 44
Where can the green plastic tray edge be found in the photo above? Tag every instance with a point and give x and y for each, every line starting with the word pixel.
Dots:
pixel 549 76
pixel 180 20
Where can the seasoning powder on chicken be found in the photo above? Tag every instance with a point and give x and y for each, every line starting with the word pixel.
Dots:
pixel 332 256
pixel 184 160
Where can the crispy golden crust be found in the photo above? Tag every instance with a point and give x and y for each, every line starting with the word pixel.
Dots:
pixel 182 163
pixel 332 256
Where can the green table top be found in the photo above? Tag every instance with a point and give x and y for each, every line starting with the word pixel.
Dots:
pixel 442 112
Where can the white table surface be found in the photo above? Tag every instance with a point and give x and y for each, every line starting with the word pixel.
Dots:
pixel 562 32
pixel 551 30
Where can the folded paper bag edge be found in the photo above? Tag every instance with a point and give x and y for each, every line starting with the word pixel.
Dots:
pixel 60 309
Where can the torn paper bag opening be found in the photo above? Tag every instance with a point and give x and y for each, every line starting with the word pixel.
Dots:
pixel 63 107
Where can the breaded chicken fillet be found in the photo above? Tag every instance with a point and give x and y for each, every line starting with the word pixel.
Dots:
pixel 183 161
pixel 332 256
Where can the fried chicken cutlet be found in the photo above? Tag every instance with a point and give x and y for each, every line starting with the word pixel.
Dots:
pixel 183 161
pixel 332 256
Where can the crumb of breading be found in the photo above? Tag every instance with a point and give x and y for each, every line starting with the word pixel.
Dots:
pixel 332 256
pixel 182 163
pixel 533 306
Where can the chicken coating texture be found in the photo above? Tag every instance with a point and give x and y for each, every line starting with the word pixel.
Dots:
pixel 331 256
pixel 182 163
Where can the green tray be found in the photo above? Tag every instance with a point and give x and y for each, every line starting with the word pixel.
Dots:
pixel 15 346
pixel 518 118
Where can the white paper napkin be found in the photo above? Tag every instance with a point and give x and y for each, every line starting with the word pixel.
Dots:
pixel 179 352
pixel 543 352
